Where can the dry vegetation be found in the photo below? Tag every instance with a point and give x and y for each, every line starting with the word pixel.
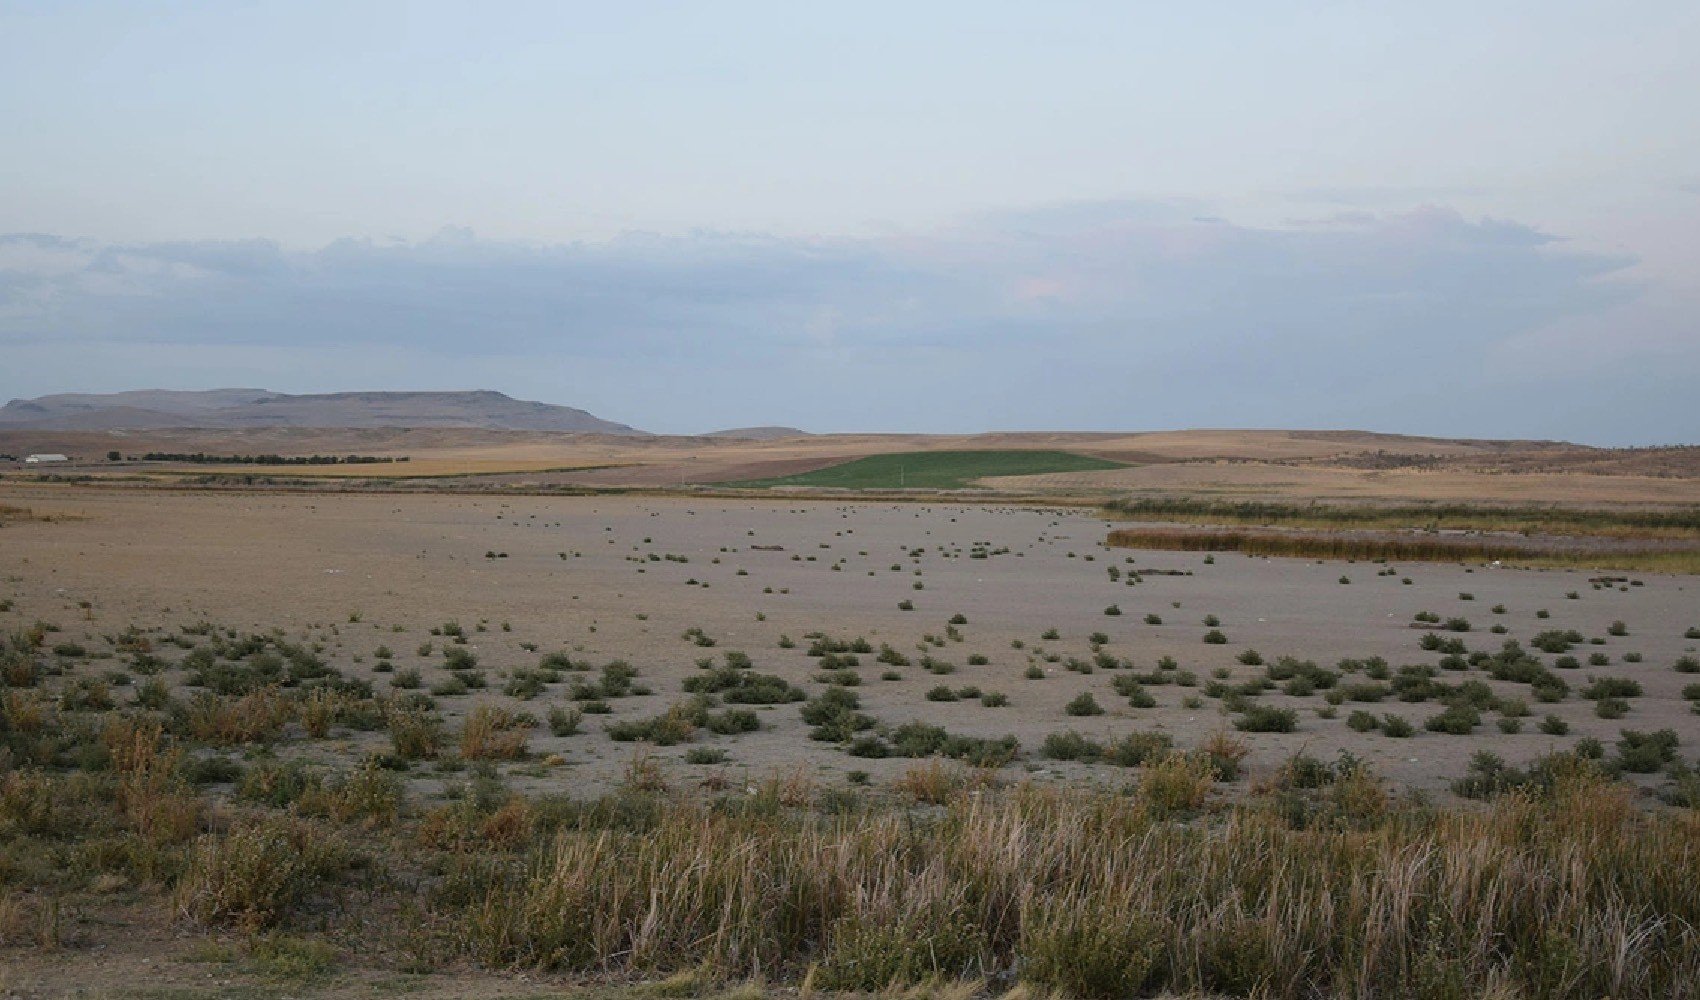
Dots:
pixel 1550 519
pixel 1320 881
pixel 1407 548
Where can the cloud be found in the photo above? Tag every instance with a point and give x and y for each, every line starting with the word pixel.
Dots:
pixel 1386 196
pixel 1106 314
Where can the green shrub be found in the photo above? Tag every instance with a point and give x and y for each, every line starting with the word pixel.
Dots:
pixel 565 721
pixel 1071 746
pixel 1084 704
pixel 1458 720
pixel 1396 726
pixel 1267 719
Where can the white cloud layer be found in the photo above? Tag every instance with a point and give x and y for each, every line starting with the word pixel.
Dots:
pixel 1099 315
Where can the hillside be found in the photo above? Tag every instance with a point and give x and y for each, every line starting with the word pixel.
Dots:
pixel 759 433
pixel 234 409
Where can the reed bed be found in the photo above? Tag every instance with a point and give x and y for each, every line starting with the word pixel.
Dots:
pixel 1408 549
pixel 1683 522
pixel 1095 895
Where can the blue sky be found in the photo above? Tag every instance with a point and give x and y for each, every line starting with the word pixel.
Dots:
pixel 1428 218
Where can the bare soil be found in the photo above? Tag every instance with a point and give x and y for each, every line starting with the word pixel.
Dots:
pixel 575 574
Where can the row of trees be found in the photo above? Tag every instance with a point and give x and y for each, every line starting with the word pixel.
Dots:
pixel 202 458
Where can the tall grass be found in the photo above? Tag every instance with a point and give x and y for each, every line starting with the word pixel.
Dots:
pixel 1095 895
pixel 1405 549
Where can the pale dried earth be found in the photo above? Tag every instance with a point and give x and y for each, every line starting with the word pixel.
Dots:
pixel 405 564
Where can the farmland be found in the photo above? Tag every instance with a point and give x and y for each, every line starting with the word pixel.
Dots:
pixel 934 470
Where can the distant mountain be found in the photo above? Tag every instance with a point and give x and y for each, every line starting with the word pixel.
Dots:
pixel 243 408
pixel 759 433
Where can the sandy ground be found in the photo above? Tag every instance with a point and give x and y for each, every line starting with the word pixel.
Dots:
pixel 406 564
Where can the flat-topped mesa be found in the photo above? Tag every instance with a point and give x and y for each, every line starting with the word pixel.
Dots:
pixel 244 408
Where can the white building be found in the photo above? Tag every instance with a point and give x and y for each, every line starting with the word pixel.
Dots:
pixel 37 459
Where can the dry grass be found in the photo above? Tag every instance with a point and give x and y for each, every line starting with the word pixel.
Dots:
pixel 493 733
pixel 150 795
pixel 1579 895
pixel 1308 887
pixel 1409 549
pixel 254 717
pixel 1673 522
pixel 255 876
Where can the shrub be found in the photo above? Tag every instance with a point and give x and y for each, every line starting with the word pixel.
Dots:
pixel 1138 749
pixel 1084 704
pixel 1458 720
pixel 564 721
pixel 1071 746
pixel 1396 726
pixel 1611 687
pixel 1611 708
pixel 414 734
pixel 741 687
pixel 1646 753
pixel 834 716
pixel 1267 719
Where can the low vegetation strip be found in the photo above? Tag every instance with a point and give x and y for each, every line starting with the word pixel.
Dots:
pixel 1412 549
pixel 936 470
pixel 428 469
pixel 202 458
pixel 1672 523
pixel 11 512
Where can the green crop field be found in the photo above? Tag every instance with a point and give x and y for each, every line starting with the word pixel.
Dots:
pixel 937 470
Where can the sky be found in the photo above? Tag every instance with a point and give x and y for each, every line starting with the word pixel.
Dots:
pixel 1459 219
